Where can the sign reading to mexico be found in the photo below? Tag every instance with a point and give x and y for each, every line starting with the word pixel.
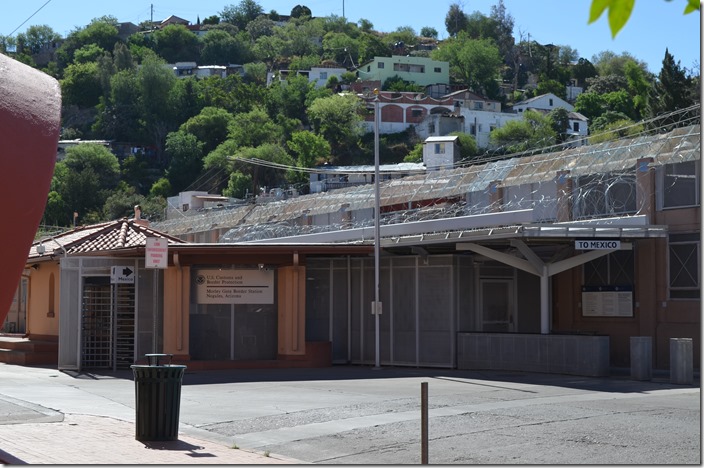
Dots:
pixel 233 286
pixel 593 244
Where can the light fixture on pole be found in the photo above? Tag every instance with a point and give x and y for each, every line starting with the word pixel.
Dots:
pixel 376 307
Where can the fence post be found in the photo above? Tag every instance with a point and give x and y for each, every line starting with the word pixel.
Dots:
pixel 424 423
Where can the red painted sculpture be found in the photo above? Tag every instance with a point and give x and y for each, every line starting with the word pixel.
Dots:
pixel 30 119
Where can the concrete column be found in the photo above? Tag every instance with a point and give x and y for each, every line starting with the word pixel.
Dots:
pixel 641 357
pixel 681 371
pixel 496 196
pixel 645 188
pixel 565 186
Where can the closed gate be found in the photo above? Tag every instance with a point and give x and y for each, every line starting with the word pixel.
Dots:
pixel 107 324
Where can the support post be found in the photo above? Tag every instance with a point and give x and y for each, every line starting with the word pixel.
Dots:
pixel 424 423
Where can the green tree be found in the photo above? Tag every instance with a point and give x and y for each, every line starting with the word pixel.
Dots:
pixel 639 86
pixel 340 47
pixel 474 62
pixel 56 212
pixel 161 188
pixel 428 31
pixel 504 29
pixel 370 46
pixel 289 98
pixel 455 20
pixel 238 185
pixel 155 85
pixel 230 93
pixel 221 48
pixel 87 53
pixel 398 84
pixel 533 131
pixel 268 48
pixel 590 104
pixel 672 87
pixel 336 118
pixel 81 85
pixel 101 31
pixel 185 99
pixel 618 129
pixel 122 57
pixel 35 38
pixel 134 171
pixel 241 14
pixel 467 145
pixel 255 73
pixel 551 86
pixel 260 26
pixel 210 127
pixel 254 128
pixel 263 176
pixel 85 178
pixel 560 123
pixel 300 10
pixel 119 117
pixel 310 149
pixel 582 70
pixel 185 154
pixel 175 43
pixel 415 155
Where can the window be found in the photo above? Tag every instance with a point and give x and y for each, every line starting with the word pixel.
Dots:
pixel 614 269
pixel 438 70
pixel 679 185
pixel 323 75
pixel 551 102
pixel 478 105
pixel 416 112
pixel 439 148
pixel 575 126
pixel 380 65
pixel 683 253
pixel 605 195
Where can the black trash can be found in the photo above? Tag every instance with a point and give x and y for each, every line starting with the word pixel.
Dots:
pixel 158 398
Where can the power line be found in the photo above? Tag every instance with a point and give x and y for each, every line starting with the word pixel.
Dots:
pixel 30 17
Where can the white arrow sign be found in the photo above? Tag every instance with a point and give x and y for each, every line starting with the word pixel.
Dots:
pixel 122 275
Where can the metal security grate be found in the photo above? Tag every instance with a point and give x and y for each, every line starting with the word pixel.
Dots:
pixel 124 325
pixel 96 324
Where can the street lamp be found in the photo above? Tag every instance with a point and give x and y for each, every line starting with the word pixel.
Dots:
pixel 376 307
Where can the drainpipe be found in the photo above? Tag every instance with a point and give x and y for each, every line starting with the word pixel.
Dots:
pixel 179 304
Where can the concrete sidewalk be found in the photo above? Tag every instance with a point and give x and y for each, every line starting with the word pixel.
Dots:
pixel 353 415
pixel 32 434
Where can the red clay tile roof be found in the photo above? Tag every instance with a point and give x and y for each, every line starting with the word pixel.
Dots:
pixel 112 235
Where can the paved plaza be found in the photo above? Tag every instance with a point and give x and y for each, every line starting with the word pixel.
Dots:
pixel 353 415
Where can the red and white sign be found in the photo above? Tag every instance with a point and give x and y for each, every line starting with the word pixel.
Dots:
pixel 157 254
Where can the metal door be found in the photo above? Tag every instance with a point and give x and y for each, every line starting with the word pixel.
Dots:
pixel 496 305
pixel 107 324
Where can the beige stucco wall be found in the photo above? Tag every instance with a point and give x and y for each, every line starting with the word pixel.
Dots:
pixel 43 300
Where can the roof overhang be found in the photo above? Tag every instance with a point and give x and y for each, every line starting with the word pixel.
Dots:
pixel 519 224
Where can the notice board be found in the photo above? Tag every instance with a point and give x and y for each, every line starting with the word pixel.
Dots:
pixel 607 301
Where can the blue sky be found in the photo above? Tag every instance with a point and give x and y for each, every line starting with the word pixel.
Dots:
pixel 654 24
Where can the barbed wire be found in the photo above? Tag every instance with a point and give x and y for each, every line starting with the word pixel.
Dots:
pixel 603 177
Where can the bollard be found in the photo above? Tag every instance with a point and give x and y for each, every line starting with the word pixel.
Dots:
pixel 641 358
pixel 424 423
pixel 681 371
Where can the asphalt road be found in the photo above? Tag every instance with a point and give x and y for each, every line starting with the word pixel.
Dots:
pixel 357 415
